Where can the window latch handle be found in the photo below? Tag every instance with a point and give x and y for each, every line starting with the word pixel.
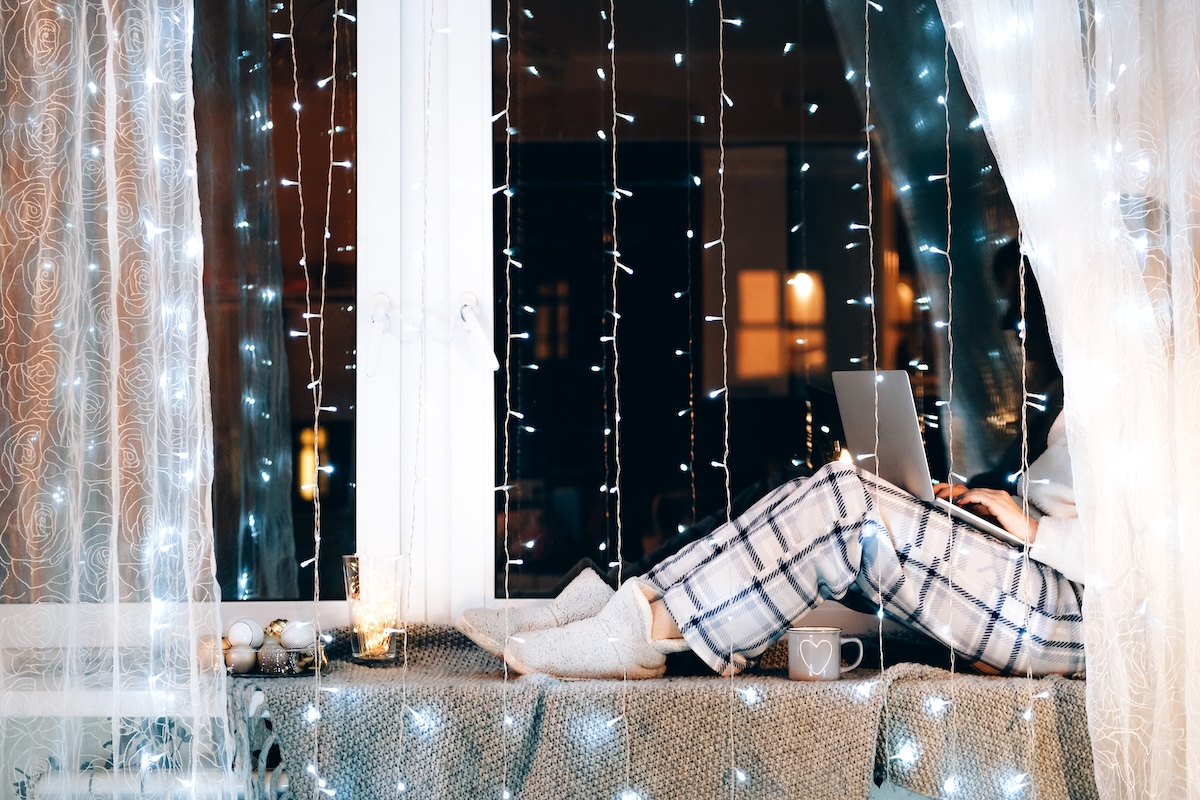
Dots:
pixel 468 313
pixel 381 320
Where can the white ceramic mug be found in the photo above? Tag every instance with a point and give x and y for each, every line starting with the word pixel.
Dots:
pixel 815 654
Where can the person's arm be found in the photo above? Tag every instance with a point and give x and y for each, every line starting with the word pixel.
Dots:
pixel 1058 546
pixel 1053 541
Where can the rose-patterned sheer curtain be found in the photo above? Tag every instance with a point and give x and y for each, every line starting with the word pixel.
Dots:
pixel 1093 110
pixel 109 628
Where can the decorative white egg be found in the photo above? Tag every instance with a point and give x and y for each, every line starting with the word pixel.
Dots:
pixel 297 635
pixel 245 633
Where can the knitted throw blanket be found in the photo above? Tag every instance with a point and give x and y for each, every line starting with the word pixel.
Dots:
pixel 450 726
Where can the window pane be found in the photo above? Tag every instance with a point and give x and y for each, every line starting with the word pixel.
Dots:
pixel 264 307
pixel 798 299
pixel 563 451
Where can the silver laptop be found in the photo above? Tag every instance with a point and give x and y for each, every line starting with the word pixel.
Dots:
pixel 884 438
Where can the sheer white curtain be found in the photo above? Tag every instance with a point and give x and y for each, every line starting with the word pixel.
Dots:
pixel 109 654
pixel 1093 110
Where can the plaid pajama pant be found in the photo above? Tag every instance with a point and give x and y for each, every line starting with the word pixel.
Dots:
pixel 736 591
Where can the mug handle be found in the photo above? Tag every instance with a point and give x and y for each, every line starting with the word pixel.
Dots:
pixel 858 660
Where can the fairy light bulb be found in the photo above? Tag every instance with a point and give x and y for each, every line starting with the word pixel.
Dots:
pixel 749 695
pixel 907 754
pixel 1014 785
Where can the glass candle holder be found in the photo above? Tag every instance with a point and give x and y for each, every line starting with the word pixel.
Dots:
pixel 375 592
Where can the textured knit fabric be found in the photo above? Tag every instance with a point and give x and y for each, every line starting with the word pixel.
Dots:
pixel 438 727
pixel 943 736
pixel 736 591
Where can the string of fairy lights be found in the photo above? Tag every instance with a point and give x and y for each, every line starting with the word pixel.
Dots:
pixel 315 366
pixel 618 268
pixel 873 307
pixel 314 328
pixel 506 485
pixel 610 371
pixel 684 59
pixel 1027 713
pixel 724 100
pixel 950 784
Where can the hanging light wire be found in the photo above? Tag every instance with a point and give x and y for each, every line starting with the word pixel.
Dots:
pixel 418 470
pixel 608 327
pixel 867 125
pixel 722 99
pixel 314 385
pixel 1031 758
pixel 506 485
pixel 691 305
pixel 808 408
pixel 319 387
pixel 953 755
pixel 616 358
pixel 616 271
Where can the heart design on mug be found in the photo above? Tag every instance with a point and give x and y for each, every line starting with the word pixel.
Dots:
pixel 816 648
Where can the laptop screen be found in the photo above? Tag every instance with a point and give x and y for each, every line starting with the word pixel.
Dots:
pixel 883 435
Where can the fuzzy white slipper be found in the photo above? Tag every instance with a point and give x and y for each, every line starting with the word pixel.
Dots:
pixel 615 644
pixel 584 597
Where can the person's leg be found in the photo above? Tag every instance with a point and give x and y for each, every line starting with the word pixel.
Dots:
pixel 981 597
pixel 742 501
pixel 735 592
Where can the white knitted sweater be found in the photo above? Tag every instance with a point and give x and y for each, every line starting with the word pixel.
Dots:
pixel 1047 484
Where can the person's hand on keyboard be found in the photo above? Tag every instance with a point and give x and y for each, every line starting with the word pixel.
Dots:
pixel 944 491
pixel 1000 506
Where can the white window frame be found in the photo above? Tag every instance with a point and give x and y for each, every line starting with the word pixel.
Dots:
pixel 449 541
